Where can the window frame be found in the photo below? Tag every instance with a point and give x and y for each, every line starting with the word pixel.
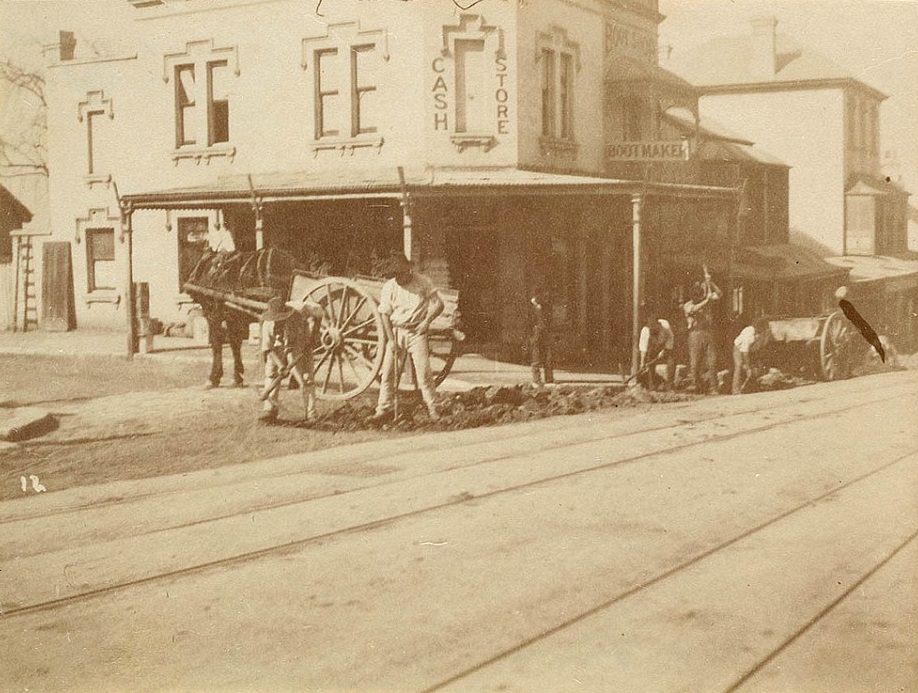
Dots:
pixel 90 156
pixel 211 104
pixel 548 78
pixel 320 131
pixel 181 117
pixel 566 95
pixel 357 90
pixel 91 260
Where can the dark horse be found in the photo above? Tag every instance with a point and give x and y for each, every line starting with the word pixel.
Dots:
pixel 251 276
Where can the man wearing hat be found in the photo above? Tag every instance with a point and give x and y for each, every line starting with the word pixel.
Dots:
pixel 408 304
pixel 699 318
pixel 288 332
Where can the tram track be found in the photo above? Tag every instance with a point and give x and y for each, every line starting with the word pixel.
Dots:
pixel 374 457
pixel 819 616
pixel 690 563
pixel 297 543
pixel 486 459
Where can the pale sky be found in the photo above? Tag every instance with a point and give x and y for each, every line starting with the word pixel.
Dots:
pixel 874 39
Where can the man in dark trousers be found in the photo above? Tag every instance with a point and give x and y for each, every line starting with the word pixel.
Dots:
pixel 540 339
pixel 699 318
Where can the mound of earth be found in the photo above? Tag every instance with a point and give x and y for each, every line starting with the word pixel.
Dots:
pixel 489 406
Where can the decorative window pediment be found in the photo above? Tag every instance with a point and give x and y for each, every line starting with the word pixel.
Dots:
pixel 471 27
pixel 557 39
pixel 345 33
pixel 200 52
pixel 95 102
pixel 97 217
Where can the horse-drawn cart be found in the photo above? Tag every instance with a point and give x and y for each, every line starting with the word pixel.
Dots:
pixel 349 351
pixel 830 338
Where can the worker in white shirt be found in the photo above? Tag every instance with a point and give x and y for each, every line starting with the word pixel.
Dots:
pixel 749 341
pixel 220 240
pixel 408 305
pixel 656 346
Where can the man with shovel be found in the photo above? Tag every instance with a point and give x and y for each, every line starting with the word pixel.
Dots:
pixel 288 333
pixel 656 347
pixel 745 346
pixel 408 303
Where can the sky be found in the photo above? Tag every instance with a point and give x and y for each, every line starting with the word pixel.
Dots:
pixel 874 39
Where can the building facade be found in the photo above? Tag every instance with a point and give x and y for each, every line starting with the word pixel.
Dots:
pixel 824 123
pixel 533 145
pixel 775 91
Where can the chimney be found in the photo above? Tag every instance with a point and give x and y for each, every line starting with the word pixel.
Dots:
pixel 61 50
pixel 67 45
pixel 764 58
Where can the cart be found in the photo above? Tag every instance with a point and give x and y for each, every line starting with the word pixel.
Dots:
pixel 829 338
pixel 349 351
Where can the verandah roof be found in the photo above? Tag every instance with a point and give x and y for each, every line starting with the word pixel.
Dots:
pixel 766 263
pixel 354 184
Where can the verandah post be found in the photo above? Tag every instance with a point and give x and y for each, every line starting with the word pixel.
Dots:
pixel 406 215
pixel 637 204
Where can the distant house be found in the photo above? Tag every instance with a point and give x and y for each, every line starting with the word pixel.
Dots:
pixel 816 117
pixel 13 214
pixel 824 123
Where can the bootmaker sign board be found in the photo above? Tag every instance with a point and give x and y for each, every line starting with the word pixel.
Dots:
pixel 677 150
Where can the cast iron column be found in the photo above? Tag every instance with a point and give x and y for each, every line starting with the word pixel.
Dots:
pixel 637 204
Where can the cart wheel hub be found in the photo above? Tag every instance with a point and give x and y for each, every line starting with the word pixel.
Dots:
pixel 331 338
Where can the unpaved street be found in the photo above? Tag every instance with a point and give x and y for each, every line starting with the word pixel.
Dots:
pixel 757 543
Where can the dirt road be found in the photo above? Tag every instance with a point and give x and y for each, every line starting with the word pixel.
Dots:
pixel 765 542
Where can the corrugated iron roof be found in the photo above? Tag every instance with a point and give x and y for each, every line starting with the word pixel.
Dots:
pixel 354 183
pixel 765 263
pixel 872 268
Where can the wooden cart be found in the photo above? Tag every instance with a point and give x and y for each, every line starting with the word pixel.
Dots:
pixel 830 338
pixel 349 353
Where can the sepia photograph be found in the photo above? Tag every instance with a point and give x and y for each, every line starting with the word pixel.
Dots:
pixel 464 345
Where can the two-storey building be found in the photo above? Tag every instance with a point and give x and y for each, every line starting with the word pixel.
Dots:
pixel 824 123
pixel 315 129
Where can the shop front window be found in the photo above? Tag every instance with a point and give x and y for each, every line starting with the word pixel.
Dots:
pixel 192 239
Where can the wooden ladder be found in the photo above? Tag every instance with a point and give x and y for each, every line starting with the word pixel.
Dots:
pixel 25 298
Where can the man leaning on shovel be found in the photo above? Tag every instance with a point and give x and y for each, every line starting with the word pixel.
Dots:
pixel 408 303
pixel 288 332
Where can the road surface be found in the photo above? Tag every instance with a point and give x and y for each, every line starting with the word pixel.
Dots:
pixel 756 543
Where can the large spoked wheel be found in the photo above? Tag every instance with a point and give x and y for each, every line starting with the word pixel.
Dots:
pixel 444 349
pixel 349 351
pixel 834 347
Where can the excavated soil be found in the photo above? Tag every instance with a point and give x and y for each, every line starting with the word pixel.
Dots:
pixel 490 406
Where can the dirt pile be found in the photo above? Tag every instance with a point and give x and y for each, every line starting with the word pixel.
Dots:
pixel 775 379
pixel 489 406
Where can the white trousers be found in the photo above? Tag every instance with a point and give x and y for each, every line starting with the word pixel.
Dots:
pixel 414 346
pixel 303 367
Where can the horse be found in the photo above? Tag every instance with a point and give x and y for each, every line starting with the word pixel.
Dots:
pixel 248 275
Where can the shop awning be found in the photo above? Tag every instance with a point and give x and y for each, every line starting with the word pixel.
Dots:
pixel 892 273
pixel 781 262
pixel 356 184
